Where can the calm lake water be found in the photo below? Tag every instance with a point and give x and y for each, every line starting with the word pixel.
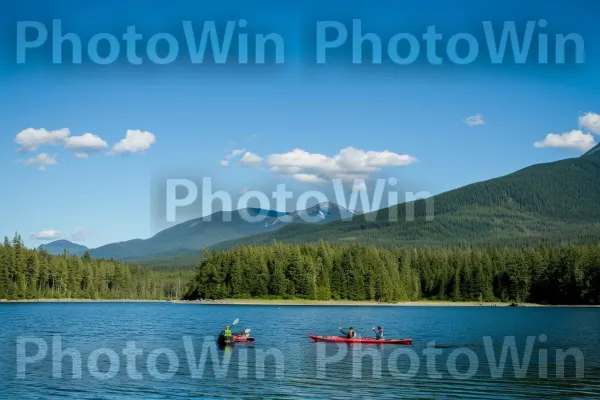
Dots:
pixel 460 367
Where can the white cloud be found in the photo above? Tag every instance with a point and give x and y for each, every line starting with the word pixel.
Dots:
pixel 286 170
pixel 575 139
pixel 308 178
pixel 250 159
pixel 591 122
pixel 32 139
pixel 348 165
pixel 351 177
pixel 234 153
pixel 85 144
pixel 78 235
pixel 254 136
pixel 297 159
pixel 42 159
pixel 359 186
pixel 49 234
pixel 475 120
pixel 135 141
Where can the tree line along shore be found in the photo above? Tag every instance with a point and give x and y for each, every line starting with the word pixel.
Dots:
pixel 329 274
pixel 543 274
pixel 32 274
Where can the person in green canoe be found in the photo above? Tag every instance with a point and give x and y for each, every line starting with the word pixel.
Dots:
pixel 351 334
pixel 227 331
pixel 226 336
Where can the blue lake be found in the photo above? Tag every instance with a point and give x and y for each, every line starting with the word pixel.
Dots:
pixel 155 351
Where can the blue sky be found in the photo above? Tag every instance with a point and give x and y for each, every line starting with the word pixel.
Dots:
pixel 194 113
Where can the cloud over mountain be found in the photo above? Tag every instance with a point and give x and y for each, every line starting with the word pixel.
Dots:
pixel 49 234
pixel 575 139
pixel 590 122
pixel 308 178
pixel 347 165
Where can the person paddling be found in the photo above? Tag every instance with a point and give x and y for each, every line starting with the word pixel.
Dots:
pixel 227 332
pixel 245 333
pixel 351 334
pixel 225 337
pixel 378 332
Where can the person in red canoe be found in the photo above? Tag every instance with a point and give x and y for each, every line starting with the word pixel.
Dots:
pixel 378 332
pixel 351 334
pixel 245 333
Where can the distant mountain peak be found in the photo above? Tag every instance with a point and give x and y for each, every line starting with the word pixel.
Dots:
pixel 595 149
pixel 60 242
pixel 58 247
pixel 222 226
pixel 322 212
pixel 329 205
pixel 260 211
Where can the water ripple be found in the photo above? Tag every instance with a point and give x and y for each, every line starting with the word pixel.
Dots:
pixel 88 327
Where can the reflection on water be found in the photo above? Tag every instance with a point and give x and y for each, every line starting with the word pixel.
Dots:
pixel 155 350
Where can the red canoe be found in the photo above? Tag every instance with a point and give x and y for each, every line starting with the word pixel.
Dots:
pixel 339 339
pixel 242 339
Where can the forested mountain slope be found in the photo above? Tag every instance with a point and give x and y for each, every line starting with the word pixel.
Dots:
pixel 191 236
pixel 556 203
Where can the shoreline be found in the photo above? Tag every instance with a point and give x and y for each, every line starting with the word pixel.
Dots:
pixel 299 302
pixel 24 301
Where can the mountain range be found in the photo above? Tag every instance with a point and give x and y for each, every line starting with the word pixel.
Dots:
pixel 194 235
pixel 60 246
pixel 557 202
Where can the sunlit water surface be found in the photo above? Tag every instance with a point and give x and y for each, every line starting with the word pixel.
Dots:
pixel 448 359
